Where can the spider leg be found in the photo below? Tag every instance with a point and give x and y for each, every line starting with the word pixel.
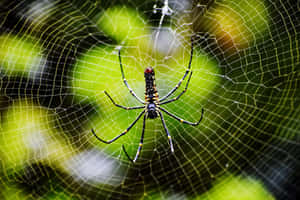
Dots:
pixel 181 120
pixel 186 73
pixel 123 133
pixel 185 89
pixel 125 81
pixel 126 108
pixel 140 145
pixel 126 153
pixel 167 131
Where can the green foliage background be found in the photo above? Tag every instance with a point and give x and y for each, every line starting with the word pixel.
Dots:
pixel 57 58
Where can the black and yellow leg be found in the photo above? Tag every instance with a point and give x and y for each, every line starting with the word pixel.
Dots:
pixel 167 131
pixel 185 89
pixel 125 81
pixel 140 144
pixel 120 106
pixel 123 133
pixel 181 120
pixel 185 74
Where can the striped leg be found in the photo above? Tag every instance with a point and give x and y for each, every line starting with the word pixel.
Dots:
pixel 186 73
pixel 125 81
pixel 185 89
pixel 126 108
pixel 181 120
pixel 123 133
pixel 140 144
pixel 167 131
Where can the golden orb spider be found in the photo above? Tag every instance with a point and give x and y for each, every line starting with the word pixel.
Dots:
pixel 151 105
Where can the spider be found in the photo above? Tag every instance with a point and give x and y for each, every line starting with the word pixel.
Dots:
pixel 152 105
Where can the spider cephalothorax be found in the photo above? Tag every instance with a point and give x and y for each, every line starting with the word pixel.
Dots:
pixel 152 105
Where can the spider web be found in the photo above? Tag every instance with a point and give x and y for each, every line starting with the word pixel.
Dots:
pixel 57 58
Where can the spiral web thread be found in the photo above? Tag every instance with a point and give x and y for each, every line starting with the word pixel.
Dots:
pixel 250 95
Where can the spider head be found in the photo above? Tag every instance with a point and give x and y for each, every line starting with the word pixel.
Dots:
pixel 149 71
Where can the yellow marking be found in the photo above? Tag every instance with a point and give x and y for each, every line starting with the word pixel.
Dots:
pixel 126 131
pixel 175 98
pixel 177 86
pixel 140 144
pixel 169 137
pixel 127 108
pixel 181 120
